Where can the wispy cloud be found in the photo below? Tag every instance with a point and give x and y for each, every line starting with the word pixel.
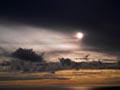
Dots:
pixel 36 38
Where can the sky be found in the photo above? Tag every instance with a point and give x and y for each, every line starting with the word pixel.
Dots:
pixel 50 26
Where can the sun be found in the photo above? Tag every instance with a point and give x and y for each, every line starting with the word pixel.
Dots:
pixel 79 35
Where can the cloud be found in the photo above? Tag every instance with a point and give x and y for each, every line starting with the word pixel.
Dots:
pixel 55 42
pixel 4 52
pixel 36 38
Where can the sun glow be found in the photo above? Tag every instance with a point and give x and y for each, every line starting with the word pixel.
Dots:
pixel 79 35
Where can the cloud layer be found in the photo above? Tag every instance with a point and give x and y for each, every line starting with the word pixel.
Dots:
pixel 53 42
pixel 36 38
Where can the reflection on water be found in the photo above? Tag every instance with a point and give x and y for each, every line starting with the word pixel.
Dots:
pixel 59 88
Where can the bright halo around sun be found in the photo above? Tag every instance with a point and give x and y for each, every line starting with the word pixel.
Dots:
pixel 79 35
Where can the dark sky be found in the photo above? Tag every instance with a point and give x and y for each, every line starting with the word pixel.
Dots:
pixel 100 19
